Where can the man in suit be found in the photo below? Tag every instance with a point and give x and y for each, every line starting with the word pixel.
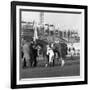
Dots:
pixel 26 56
pixel 33 55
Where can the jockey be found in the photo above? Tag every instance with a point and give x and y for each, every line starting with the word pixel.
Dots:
pixel 50 53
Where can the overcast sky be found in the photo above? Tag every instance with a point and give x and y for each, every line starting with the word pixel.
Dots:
pixel 63 20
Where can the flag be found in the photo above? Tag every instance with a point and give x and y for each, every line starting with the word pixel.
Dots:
pixel 35 33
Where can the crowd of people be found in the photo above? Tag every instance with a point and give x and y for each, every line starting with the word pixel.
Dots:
pixel 29 54
pixel 31 50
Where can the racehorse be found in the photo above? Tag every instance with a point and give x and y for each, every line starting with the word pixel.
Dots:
pixel 43 44
pixel 49 54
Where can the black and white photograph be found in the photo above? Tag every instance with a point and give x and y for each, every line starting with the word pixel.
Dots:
pixel 49 44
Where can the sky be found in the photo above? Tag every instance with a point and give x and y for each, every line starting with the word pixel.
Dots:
pixel 63 20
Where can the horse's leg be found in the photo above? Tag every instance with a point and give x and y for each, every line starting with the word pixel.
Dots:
pixel 24 63
pixel 35 62
pixel 50 59
pixel 47 60
pixel 31 61
pixel 53 61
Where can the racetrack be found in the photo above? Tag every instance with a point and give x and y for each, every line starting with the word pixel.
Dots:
pixel 71 68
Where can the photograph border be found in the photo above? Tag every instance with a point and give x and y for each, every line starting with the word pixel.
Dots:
pixel 13 44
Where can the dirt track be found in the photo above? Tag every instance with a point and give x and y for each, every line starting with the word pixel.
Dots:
pixel 71 68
